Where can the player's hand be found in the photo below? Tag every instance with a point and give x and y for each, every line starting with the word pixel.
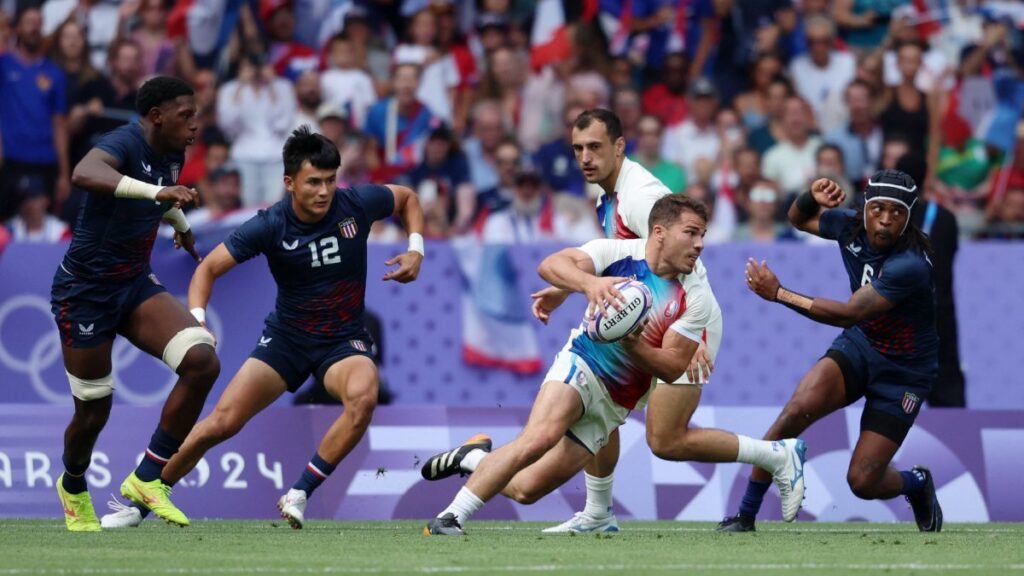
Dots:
pixel 545 301
pixel 187 241
pixel 408 267
pixel 761 280
pixel 632 340
pixel 827 193
pixel 181 196
pixel 602 292
pixel 700 364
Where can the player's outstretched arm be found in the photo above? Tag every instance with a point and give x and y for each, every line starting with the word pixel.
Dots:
pixel 212 267
pixel 865 304
pixel 409 211
pixel 668 362
pixel 806 209
pixel 98 173
pixel 573 269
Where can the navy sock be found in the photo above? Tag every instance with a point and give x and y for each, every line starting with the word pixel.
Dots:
pixel 913 482
pixel 73 481
pixel 161 447
pixel 314 475
pixel 752 498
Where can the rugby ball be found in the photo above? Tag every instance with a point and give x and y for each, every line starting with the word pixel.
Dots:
pixel 609 325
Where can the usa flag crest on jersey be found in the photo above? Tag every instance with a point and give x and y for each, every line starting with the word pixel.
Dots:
pixel 348 228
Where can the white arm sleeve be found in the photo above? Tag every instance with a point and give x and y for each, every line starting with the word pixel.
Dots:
pixel 605 252
pixel 699 307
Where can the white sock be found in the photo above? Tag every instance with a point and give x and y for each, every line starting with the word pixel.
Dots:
pixel 762 453
pixel 599 495
pixel 472 460
pixel 465 505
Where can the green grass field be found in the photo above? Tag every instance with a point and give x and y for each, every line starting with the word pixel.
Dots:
pixel 265 547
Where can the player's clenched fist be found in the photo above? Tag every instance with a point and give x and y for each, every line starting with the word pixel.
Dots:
pixel 180 195
pixel 827 193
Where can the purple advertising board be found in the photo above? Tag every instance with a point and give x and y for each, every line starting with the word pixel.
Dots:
pixel 766 348
pixel 975 456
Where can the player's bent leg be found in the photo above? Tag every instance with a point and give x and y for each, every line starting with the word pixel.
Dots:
pixel 599 477
pixel 553 469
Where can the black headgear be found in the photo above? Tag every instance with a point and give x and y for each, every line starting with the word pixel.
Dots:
pixel 894 186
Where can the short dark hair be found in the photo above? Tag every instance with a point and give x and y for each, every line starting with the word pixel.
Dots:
pixel 159 90
pixel 667 209
pixel 303 145
pixel 611 122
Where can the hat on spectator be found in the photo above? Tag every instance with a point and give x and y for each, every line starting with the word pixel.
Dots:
pixel 703 87
pixel 268 7
pixel 31 186
pixel 492 20
pixel 225 169
pixel 331 110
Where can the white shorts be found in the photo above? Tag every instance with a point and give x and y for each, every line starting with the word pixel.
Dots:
pixel 601 414
pixel 713 338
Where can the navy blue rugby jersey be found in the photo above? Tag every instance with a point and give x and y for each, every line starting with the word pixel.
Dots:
pixel 114 237
pixel 904 277
pixel 319 268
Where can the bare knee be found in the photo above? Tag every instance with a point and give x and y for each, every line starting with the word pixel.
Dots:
pixel 524 492
pixel 360 408
pixel 862 485
pixel 218 427
pixel 670 445
pixel 200 366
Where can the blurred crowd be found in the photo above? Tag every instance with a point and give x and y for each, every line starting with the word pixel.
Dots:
pixel 740 103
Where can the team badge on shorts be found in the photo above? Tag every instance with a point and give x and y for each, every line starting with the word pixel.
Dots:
pixel 348 228
pixel 154 279
pixel 910 402
pixel 358 345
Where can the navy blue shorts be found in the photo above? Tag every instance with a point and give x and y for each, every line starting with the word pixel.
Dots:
pixel 89 313
pixel 894 392
pixel 295 356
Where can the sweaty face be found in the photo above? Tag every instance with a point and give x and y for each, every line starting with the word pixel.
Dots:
pixel 884 221
pixel 595 152
pixel 312 190
pixel 684 241
pixel 177 122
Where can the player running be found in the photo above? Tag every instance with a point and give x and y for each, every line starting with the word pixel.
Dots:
pixel 887 352
pixel 104 287
pixel 591 387
pixel 315 243
pixel 630 192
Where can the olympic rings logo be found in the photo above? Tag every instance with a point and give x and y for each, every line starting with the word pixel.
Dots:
pixel 45 351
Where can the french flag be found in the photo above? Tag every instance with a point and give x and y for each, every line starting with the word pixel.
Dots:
pixel 549 39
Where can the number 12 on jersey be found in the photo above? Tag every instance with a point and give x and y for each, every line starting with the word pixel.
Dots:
pixel 328 251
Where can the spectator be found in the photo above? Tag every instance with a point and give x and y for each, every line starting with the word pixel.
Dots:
pixel 204 82
pixel 763 138
pixel 963 159
pixel 864 23
pixel 791 162
pixel 556 161
pixel 504 82
pixel 344 83
pixel 452 42
pixel 356 159
pixel 667 99
pixel 626 105
pixel 33 129
pixel 753 104
pixel 531 217
pixel 159 53
pixel 442 183
pixel 893 149
pixel 307 98
pixel 697 137
pixel 332 121
pixel 508 159
pixel 721 213
pixel 126 76
pixel 367 46
pixel 33 224
pixel 861 139
pixel 906 108
pixel 221 194
pixel 439 76
pixel 762 225
pixel 100 20
pixel 488 132
pixel 648 154
pixel 256 111
pixel 830 163
pixel 1006 214
pixel 288 57
pixel 398 125
pixel 823 69
pixel 934 66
